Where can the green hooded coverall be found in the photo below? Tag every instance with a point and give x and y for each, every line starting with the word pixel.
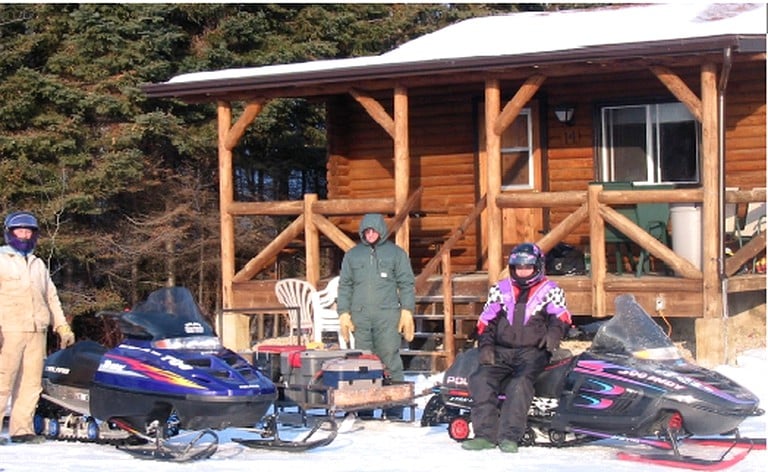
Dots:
pixel 375 283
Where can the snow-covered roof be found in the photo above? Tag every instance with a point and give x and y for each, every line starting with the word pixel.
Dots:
pixel 528 33
pixel 536 32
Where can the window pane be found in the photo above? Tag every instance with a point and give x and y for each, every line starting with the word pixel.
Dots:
pixel 515 169
pixel 516 154
pixel 627 144
pixel 678 144
pixel 516 136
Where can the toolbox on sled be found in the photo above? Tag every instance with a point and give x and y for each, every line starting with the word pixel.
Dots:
pixel 273 359
pixel 337 380
pixel 353 372
pixel 301 370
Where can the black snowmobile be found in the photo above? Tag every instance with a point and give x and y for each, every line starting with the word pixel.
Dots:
pixel 631 385
pixel 162 392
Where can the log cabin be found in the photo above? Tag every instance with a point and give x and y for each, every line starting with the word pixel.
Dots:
pixel 557 127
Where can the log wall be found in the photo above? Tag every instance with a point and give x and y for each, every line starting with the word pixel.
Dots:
pixel 443 148
pixel 442 152
pixel 571 159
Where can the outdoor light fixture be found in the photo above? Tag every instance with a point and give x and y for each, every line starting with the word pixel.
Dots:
pixel 564 113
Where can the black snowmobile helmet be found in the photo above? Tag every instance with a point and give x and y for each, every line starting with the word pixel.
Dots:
pixel 21 219
pixel 527 254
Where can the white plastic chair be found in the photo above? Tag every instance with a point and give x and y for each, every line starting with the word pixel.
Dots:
pixel 325 316
pixel 754 222
pixel 296 295
pixel 731 217
pixel 754 225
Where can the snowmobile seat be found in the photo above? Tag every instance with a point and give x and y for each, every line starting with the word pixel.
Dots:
pixel 550 382
pixel 560 354
pixel 76 365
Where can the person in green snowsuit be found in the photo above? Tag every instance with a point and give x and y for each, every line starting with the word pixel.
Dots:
pixel 376 294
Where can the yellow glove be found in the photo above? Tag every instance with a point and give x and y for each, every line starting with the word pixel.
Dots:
pixel 66 336
pixel 405 326
pixel 345 323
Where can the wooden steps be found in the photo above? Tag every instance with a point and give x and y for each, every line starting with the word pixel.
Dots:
pixel 426 353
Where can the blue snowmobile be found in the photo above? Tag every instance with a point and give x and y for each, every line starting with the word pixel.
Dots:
pixel 631 386
pixel 162 392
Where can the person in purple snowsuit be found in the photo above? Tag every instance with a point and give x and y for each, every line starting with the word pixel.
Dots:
pixel 522 323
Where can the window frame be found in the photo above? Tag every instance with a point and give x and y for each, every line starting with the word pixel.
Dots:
pixel 531 183
pixel 654 160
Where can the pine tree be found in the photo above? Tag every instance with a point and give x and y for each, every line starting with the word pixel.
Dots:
pixel 125 187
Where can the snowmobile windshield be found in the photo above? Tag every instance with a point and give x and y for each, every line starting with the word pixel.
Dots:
pixel 632 331
pixel 171 319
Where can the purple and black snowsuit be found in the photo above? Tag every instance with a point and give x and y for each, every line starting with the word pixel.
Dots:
pixel 515 323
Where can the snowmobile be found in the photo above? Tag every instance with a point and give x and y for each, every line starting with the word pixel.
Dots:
pixel 630 385
pixel 164 390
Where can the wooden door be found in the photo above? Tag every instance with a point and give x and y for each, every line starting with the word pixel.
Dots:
pixel 521 172
pixel 521 167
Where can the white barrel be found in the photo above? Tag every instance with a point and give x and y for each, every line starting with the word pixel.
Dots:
pixel 685 219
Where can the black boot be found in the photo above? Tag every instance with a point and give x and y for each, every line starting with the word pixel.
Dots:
pixel 28 438
pixel 394 413
pixel 365 414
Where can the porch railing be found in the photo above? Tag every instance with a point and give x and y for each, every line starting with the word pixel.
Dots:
pixel 593 206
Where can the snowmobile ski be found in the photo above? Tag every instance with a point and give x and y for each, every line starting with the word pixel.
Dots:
pixel 270 436
pixel 757 444
pixel 743 446
pixel 688 462
pixel 203 445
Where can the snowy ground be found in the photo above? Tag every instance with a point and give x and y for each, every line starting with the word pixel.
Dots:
pixel 384 446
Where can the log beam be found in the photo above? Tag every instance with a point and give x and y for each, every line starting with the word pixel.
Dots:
pixel 679 89
pixel 565 227
pixel 234 134
pixel 402 215
pixel 258 263
pixel 755 246
pixel 513 107
pixel 332 232
pixel 649 243
pixel 375 110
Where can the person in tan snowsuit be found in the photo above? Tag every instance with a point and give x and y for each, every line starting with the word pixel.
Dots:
pixel 29 304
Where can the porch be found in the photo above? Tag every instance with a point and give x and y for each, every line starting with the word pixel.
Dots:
pixel 477 132
pixel 444 329
pixel 670 299
pixel 681 295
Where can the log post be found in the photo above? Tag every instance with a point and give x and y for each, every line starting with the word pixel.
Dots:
pixel 711 327
pixel 597 250
pixel 449 340
pixel 493 178
pixel 311 241
pixel 235 327
pixel 402 165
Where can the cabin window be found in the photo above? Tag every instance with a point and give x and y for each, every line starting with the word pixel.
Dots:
pixel 516 154
pixel 651 143
pixel 517 165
